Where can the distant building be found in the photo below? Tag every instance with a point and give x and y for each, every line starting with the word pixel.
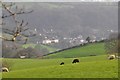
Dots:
pixel 82 40
pixel 46 41
pixel 92 41
pixel 35 29
pixel 50 41
pixel 55 41
pixel 22 57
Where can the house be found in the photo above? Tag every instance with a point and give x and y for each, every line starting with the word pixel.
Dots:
pixel 22 57
pixel 46 41
pixel 55 41
pixel 50 41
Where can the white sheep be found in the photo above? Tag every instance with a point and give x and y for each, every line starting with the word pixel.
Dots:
pixel 110 57
pixel 4 69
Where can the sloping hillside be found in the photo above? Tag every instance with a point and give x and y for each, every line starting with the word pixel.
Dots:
pixel 50 68
pixel 88 50
pixel 50 49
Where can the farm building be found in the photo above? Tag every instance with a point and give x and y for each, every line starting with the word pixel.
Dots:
pixel 50 41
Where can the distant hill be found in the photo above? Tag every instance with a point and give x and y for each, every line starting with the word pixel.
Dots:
pixel 93 49
pixel 69 20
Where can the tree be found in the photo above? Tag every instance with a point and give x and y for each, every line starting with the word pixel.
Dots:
pixel 88 39
pixel 112 45
pixel 42 50
pixel 17 34
pixel 8 50
pixel 29 53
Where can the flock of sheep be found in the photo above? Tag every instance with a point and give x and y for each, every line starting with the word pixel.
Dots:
pixel 110 57
pixel 74 61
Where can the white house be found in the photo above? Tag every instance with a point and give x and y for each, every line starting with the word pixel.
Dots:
pixel 50 41
pixel 46 41
pixel 55 41
pixel 82 40
pixel 22 57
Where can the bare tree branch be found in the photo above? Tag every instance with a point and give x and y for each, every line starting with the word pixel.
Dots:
pixel 20 26
pixel 18 11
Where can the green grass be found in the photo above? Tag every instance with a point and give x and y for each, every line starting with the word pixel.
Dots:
pixel 29 45
pixel 89 67
pixel 50 49
pixel 91 49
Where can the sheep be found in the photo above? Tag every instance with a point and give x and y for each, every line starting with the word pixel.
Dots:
pixel 111 57
pixel 75 61
pixel 4 69
pixel 62 63
pixel 92 55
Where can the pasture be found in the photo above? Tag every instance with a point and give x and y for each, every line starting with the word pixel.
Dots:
pixel 89 67
pixel 87 50
pixel 50 49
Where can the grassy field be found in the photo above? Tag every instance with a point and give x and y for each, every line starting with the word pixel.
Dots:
pixel 29 45
pixel 89 67
pixel 91 49
pixel 50 49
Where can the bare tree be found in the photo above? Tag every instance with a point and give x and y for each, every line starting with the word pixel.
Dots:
pixel 88 39
pixel 12 11
pixel 112 44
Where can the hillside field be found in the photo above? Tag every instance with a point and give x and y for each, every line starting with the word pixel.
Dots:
pixel 50 49
pixel 89 67
pixel 87 50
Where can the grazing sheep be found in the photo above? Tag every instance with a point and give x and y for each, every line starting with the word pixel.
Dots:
pixel 4 69
pixel 62 63
pixel 92 55
pixel 111 57
pixel 75 61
